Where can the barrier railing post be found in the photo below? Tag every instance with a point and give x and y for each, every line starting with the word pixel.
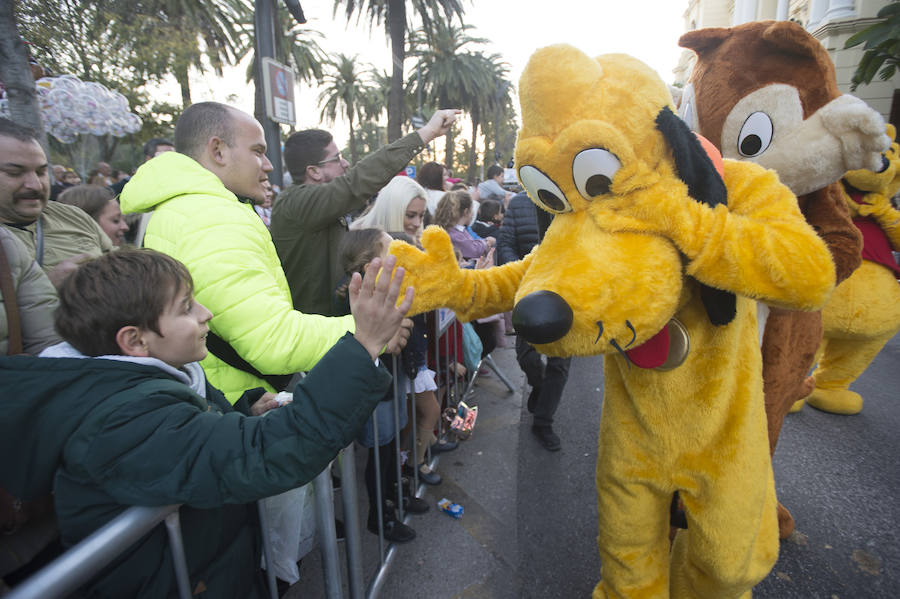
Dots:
pixel 267 550
pixel 397 364
pixel 331 568
pixel 349 497
pixel 499 374
pixel 179 560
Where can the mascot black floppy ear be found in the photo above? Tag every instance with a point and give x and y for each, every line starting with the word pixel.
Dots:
pixel 704 185
pixel 544 219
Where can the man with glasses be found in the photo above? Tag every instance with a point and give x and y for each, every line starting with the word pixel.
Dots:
pixel 309 218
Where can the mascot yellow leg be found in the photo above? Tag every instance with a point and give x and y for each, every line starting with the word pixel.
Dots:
pixel 724 552
pixel 843 361
pixel 732 538
pixel 861 317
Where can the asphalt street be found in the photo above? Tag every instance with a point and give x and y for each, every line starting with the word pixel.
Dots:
pixel 529 528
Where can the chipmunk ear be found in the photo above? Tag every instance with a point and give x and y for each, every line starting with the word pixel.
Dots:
pixel 696 169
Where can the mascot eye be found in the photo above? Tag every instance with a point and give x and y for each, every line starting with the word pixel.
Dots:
pixel 543 190
pixel 755 135
pixel 593 171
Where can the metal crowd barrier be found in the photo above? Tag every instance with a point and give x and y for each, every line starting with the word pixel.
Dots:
pixel 79 564
pixel 325 512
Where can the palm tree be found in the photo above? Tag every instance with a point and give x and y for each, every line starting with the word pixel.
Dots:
pixel 882 47
pixel 486 106
pixel 393 13
pixel 451 74
pixel 345 92
pixel 16 73
pixel 186 31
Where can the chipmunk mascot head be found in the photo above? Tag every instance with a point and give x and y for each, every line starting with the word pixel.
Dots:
pixel 864 311
pixel 765 92
pixel 652 258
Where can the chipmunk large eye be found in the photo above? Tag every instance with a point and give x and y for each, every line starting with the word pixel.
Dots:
pixel 542 190
pixel 755 135
pixel 593 171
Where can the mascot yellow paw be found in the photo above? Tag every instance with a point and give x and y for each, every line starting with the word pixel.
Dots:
pixel 440 282
pixel 836 401
pixel 798 405
pixel 434 274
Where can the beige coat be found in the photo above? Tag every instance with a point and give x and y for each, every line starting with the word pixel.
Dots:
pixel 35 296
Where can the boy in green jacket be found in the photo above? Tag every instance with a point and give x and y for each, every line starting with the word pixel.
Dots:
pixel 121 415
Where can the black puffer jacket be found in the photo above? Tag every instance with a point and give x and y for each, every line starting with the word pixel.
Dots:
pixel 519 231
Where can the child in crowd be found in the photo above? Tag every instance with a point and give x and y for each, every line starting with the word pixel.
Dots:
pixel 357 249
pixel 101 205
pixel 490 217
pixel 121 415
pixel 454 213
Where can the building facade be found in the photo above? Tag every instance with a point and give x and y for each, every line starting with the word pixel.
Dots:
pixel 832 22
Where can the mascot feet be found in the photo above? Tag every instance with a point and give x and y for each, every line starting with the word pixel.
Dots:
pixel 798 405
pixel 785 522
pixel 836 401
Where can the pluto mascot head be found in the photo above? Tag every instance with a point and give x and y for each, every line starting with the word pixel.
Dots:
pixel 601 149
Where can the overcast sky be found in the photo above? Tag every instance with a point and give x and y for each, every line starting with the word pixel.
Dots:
pixel 646 29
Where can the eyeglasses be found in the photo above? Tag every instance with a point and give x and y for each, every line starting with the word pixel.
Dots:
pixel 336 158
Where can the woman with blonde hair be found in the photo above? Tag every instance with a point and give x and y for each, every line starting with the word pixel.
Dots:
pixel 399 206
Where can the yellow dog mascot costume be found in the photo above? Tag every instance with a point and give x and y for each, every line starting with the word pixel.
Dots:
pixel 864 311
pixel 647 240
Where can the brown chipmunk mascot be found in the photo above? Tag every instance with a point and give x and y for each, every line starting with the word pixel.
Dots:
pixel 649 246
pixel 864 311
pixel 766 92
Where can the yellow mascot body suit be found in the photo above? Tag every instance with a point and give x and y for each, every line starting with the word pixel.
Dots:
pixel 864 311
pixel 655 260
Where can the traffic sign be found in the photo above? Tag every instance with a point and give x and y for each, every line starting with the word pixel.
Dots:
pixel 278 86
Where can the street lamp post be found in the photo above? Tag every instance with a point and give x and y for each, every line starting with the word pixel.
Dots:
pixel 264 23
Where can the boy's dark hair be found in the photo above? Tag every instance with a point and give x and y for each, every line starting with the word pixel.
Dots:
pixel 151 145
pixel 201 122
pixel 128 287
pixel 488 210
pixel 431 176
pixel 303 149
pixel 356 249
pixel 12 129
pixel 494 170
pixel 90 198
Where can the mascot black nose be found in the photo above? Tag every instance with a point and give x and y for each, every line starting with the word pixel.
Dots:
pixel 542 317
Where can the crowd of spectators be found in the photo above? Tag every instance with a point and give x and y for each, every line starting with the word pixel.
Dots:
pixel 187 344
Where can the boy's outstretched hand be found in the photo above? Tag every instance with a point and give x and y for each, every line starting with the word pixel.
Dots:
pixel 373 303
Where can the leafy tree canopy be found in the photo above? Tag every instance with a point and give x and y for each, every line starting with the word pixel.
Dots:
pixel 881 47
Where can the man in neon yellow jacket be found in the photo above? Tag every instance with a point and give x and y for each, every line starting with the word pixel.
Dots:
pixel 198 219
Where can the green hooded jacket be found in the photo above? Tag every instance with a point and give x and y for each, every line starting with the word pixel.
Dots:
pixel 105 435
